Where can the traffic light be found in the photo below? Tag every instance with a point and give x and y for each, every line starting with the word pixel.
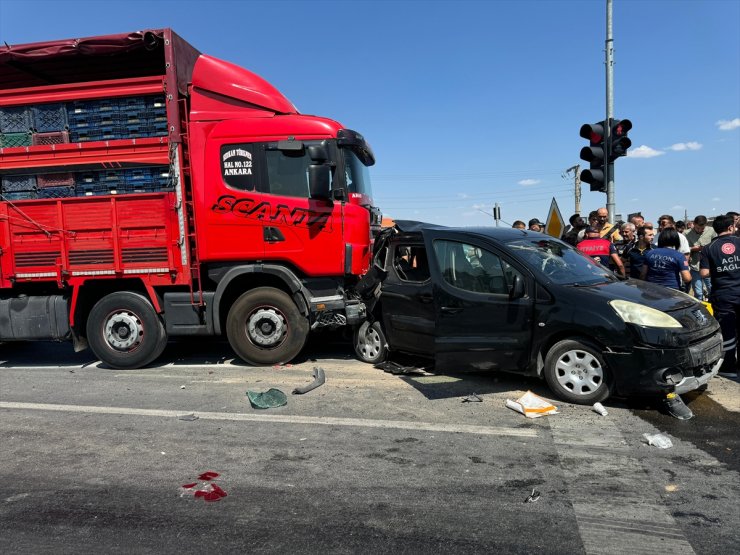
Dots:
pixel 619 141
pixel 594 154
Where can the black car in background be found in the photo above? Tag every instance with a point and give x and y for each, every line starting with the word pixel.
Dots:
pixel 518 301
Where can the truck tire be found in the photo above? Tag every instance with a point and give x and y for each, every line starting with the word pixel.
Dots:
pixel 370 343
pixel 264 327
pixel 124 331
pixel 576 372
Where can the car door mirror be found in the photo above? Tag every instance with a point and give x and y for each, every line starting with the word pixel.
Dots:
pixel 517 288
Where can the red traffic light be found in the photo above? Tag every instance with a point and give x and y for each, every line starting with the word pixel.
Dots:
pixel 594 132
pixel 621 127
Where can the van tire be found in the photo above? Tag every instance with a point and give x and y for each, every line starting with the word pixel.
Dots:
pixel 265 327
pixel 124 331
pixel 576 372
pixel 370 343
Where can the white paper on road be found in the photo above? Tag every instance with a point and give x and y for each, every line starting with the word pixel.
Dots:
pixel 532 406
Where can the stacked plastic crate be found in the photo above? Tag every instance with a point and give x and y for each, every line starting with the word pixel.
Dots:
pixel 131 117
pixel 15 131
pixel 149 179
pixel 15 126
pixel 83 121
pixel 49 127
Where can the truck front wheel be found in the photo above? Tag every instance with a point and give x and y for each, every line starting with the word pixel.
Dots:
pixel 264 327
pixel 124 331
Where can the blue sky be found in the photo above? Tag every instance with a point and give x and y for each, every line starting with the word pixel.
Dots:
pixel 471 103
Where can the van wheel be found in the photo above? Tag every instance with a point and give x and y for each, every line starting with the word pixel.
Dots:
pixel 575 372
pixel 370 343
pixel 264 327
pixel 124 331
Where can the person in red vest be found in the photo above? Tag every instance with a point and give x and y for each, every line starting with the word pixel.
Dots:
pixel 601 250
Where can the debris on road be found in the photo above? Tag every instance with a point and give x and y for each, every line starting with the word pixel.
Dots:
pixel 659 440
pixel 474 398
pixel 599 408
pixel 534 496
pixel 532 406
pixel 187 417
pixel 396 369
pixel 319 379
pixel 204 488
pixel 269 399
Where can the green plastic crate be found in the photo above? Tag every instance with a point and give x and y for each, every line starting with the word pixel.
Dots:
pixel 15 139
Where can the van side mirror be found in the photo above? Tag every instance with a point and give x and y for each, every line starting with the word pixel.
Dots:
pixel 517 288
pixel 319 180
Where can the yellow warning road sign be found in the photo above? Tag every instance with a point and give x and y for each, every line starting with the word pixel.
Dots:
pixel 555 224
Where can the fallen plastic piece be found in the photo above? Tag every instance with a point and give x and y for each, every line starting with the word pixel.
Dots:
pixel 599 408
pixel 532 406
pixel 204 488
pixel 210 493
pixel 319 379
pixel 659 440
pixel 534 496
pixel 474 398
pixel 396 369
pixel 269 399
pixel 187 417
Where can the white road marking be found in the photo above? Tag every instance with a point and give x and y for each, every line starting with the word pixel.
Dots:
pixel 278 418
pixel 617 506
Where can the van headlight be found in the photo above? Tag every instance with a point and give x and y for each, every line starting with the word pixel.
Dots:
pixel 641 315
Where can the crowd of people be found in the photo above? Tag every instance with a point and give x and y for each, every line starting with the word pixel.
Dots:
pixel 694 256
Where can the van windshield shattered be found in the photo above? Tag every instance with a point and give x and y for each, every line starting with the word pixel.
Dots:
pixel 559 262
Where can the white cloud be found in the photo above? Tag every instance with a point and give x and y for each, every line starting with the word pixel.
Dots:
pixel 527 182
pixel 462 195
pixel 728 124
pixel 716 199
pixel 678 207
pixel 644 151
pixel 634 199
pixel 678 147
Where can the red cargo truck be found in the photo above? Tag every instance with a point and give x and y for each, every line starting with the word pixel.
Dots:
pixel 150 191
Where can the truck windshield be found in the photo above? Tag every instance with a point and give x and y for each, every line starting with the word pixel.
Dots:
pixel 357 174
pixel 559 262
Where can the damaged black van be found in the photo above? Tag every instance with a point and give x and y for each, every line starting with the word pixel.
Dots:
pixel 518 301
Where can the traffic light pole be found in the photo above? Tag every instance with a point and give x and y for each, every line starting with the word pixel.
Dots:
pixel 609 164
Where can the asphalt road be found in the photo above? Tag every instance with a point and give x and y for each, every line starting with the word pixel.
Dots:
pixel 93 460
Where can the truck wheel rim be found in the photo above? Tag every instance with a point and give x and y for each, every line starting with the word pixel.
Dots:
pixel 370 344
pixel 266 327
pixel 124 331
pixel 579 372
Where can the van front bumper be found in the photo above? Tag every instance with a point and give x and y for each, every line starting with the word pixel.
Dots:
pixel 657 370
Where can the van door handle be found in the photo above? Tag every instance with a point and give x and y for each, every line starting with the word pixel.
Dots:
pixel 426 298
pixel 451 310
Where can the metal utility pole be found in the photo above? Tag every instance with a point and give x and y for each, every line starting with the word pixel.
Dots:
pixel 497 213
pixel 577 173
pixel 609 164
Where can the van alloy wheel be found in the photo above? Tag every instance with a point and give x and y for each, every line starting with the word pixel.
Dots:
pixel 576 372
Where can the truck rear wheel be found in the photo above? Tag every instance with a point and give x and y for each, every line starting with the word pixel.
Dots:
pixel 264 327
pixel 124 331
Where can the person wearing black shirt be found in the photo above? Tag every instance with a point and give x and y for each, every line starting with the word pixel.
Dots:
pixel 720 261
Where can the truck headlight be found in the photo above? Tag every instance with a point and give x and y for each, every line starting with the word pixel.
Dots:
pixel 641 315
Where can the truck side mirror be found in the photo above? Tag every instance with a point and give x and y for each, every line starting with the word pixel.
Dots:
pixel 318 153
pixel 319 180
pixel 517 288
